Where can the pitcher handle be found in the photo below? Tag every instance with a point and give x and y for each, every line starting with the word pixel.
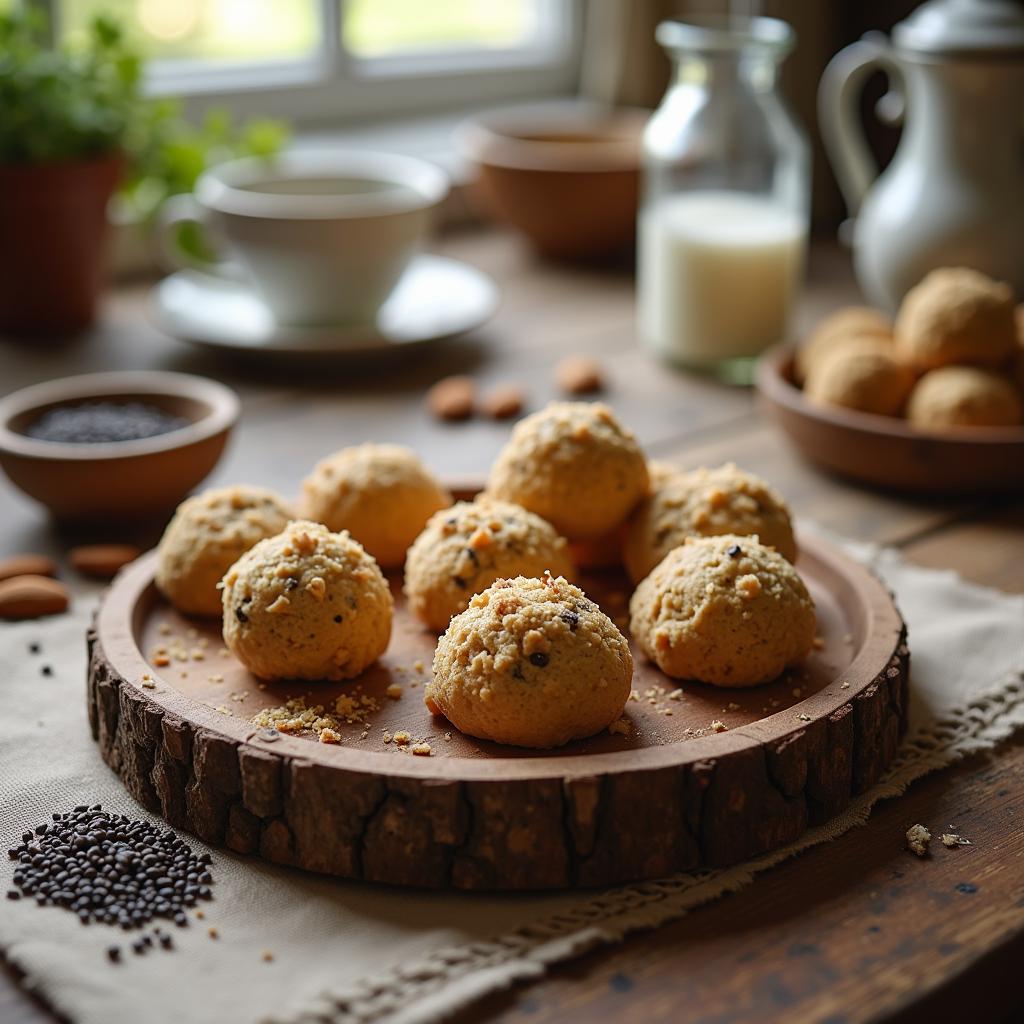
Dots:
pixel 839 116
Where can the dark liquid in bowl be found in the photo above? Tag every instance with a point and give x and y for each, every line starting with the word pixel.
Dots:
pixel 103 422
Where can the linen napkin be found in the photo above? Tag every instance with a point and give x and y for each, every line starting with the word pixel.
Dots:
pixel 292 946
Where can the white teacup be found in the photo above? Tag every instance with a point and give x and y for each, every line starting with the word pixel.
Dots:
pixel 323 236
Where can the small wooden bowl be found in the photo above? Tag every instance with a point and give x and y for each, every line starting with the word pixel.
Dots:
pixel 889 452
pixel 567 176
pixel 126 480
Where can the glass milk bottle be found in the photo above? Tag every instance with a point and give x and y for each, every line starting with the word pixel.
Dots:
pixel 723 223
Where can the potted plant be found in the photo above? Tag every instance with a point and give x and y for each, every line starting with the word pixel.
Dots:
pixel 74 124
pixel 65 113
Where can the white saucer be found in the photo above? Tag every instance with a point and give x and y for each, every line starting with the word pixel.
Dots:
pixel 436 298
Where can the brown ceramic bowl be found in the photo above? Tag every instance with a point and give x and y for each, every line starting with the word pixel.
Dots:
pixel 566 176
pixel 889 452
pixel 125 480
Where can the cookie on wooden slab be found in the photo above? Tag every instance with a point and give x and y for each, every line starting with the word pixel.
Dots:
pixel 575 465
pixel 207 535
pixel 381 493
pixel 533 663
pixel 465 548
pixel 306 604
pixel 705 502
pixel 956 315
pixel 723 610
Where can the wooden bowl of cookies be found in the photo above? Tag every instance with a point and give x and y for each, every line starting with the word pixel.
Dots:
pixel 933 403
pixel 114 447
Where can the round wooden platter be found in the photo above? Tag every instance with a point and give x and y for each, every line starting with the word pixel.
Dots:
pixel 670 795
pixel 889 452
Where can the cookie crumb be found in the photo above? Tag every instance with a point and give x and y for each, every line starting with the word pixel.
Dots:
pixel 918 838
pixel 844 685
pixel 718 726
pixel 266 956
pixel 803 718
pixel 951 839
pixel 394 691
pixel 418 666
pixel 621 726
pixel 213 933
pixel 402 737
pixel 328 735
pixel 421 749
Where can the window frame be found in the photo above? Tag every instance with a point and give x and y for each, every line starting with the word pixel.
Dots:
pixel 332 86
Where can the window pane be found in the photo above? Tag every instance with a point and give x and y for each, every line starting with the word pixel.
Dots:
pixel 374 28
pixel 221 30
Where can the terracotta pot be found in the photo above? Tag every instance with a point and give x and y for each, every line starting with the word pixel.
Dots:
pixel 53 243
pixel 567 177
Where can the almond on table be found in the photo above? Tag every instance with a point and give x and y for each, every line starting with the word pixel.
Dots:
pixel 102 561
pixel 504 401
pixel 29 597
pixel 27 565
pixel 579 375
pixel 452 398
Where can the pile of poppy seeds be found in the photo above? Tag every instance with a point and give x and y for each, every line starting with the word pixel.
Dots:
pixel 113 870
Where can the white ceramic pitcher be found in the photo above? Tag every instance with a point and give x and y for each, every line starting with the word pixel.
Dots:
pixel 954 192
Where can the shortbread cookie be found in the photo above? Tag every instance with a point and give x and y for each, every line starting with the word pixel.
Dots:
pixel 381 493
pixel 306 604
pixel 964 396
pixel 861 375
pixel 533 663
pixel 705 503
pixel 465 548
pixel 837 330
pixel 956 315
pixel 723 610
pixel 575 465
pixel 207 535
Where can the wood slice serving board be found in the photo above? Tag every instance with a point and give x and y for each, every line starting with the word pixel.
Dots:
pixel 673 794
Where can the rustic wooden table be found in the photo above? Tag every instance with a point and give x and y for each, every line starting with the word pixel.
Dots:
pixel 853 930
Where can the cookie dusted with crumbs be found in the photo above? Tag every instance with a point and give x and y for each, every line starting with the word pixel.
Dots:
pixel 381 493
pixel 575 465
pixel 705 503
pixel 306 604
pixel 465 548
pixel 723 610
pixel 207 535
pixel 532 663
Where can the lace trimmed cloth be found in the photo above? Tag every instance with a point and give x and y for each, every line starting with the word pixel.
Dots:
pixel 346 952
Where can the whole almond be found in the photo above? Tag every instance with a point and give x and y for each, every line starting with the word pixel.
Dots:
pixel 29 597
pixel 27 565
pixel 452 398
pixel 102 561
pixel 579 375
pixel 503 401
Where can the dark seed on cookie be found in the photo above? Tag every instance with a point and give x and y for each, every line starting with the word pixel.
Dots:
pixel 337 618
pixel 291 583
pixel 539 658
pixel 241 616
pixel 734 551
pixel 571 619
pixel 471 554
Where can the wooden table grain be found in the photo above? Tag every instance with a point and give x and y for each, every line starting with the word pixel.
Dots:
pixel 850 931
